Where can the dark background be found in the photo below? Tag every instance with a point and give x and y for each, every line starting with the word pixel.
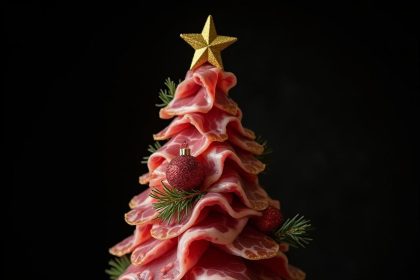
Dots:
pixel 331 87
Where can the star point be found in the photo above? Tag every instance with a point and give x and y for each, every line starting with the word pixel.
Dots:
pixel 208 45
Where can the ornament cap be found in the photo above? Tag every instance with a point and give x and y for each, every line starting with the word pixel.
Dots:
pixel 184 150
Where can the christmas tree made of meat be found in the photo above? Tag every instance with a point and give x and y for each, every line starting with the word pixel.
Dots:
pixel 220 222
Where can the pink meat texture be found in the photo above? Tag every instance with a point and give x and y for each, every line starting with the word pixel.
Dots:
pixel 215 240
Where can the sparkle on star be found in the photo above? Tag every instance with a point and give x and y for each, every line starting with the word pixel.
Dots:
pixel 208 45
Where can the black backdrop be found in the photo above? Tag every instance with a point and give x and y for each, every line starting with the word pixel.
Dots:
pixel 330 87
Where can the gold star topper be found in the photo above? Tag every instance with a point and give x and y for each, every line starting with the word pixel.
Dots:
pixel 208 45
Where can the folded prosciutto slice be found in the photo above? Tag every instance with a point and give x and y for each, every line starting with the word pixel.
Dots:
pixel 215 239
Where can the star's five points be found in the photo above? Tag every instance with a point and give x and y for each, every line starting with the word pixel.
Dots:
pixel 208 45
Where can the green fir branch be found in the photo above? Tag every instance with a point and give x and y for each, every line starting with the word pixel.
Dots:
pixel 166 95
pixel 152 148
pixel 267 149
pixel 294 231
pixel 117 267
pixel 174 203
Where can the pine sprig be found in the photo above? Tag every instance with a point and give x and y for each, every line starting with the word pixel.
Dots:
pixel 152 148
pixel 166 95
pixel 174 203
pixel 267 149
pixel 117 267
pixel 294 231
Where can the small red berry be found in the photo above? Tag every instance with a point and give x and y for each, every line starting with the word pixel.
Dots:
pixel 270 220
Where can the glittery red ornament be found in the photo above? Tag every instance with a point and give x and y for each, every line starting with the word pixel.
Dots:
pixel 270 220
pixel 185 171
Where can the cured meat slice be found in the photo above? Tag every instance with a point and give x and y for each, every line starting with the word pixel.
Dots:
pixel 245 143
pixel 141 199
pixel 222 201
pixel 192 244
pixel 151 250
pixel 246 188
pixel 217 155
pixel 212 125
pixel 141 215
pixel 224 103
pixel 252 245
pixel 145 178
pixel 143 212
pixel 202 89
pixel 141 234
pixel 217 265
pixel 154 178
pixel 162 268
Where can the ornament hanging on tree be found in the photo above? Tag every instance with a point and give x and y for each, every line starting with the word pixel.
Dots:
pixel 185 171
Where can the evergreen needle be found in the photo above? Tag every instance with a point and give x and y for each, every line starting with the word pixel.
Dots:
pixel 166 95
pixel 267 149
pixel 152 148
pixel 117 267
pixel 174 204
pixel 294 231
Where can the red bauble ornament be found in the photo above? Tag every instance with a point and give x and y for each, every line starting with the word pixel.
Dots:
pixel 270 220
pixel 185 171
